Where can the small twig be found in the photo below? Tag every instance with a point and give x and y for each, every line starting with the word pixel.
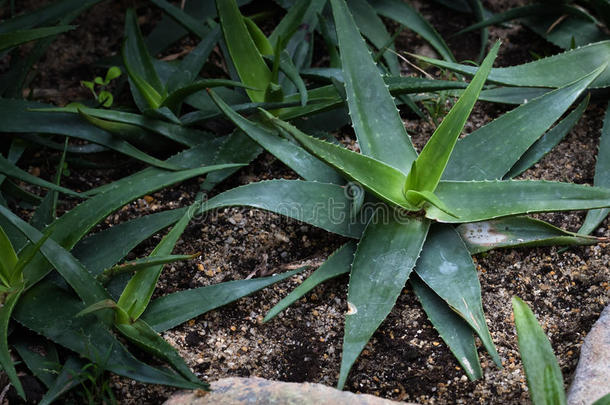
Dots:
pixel 414 66
pixel 4 391
pixel 556 23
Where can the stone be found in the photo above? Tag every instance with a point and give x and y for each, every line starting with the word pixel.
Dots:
pixel 258 391
pixel 592 376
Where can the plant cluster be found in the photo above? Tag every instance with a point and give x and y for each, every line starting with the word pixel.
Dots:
pixel 412 217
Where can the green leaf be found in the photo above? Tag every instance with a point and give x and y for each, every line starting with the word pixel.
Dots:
pixel 554 71
pixel 11 39
pixel 446 267
pixel 40 356
pixel 70 269
pixel 479 14
pixel 496 152
pixel 543 374
pixel 9 169
pixel 144 336
pixel 548 141
pixel 517 231
pixel 173 309
pixel 429 166
pixel 69 377
pixel 378 126
pixel 306 165
pixel 177 96
pixel 72 226
pixel 181 17
pixel 382 180
pixel 322 205
pixel 50 311
pixel 406 15
pixel 140 264
pixel 260 40
pixel 249 63
pixel 43 15
pixel 605 400
pixel 140 288
pixel 185 136
pixel 338 263
pixel 384 259
pixel 373 28
pixel 450 326
pixel 555 10
pixel 137 59
pixel 8 304
pixel 105 248
pixel 112 73
pixel 17 118
pixel 482 200
pixel 9 257
pixel 192 63
pixel 602 176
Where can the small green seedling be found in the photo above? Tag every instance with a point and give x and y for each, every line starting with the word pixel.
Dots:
pixel 104 97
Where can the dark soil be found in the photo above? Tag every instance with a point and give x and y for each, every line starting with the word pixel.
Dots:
pixel 405 359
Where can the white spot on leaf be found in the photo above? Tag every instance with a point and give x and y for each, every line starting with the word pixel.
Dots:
pixel 482 234
pixel 351 308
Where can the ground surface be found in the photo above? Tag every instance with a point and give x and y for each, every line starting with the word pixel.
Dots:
pixel 405 359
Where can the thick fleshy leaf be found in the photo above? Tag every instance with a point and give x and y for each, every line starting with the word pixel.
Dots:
pixel 446 267
pixel 140 288
pixel 8 304
pixel 9 257
pixel 456 333
pixel 177 96
pixel 326 206
pixel 379 129
pixel 10 170
pixel 384 259
pixel 185 19
pixel 382 180
pixel 338 263
pixel 50 311
pixel 542 370
pixel 482 200
pixel 42 15
pixel 72 226
pixel 430 164
pixel 404 14
pixel 517 231
pixel 18 119
pixel 602 176
pixel 246 58
pixel 144 336
pixel 104 249
pixel 69 377
pixel 372 27
pixel 40 356
pixel 479 13
pixel 173 309
pixel 70 269
pixel 555 10
pixel 553 71
pixel 14 38
pixel 497 152
pixel 573 31
pixel 136 55
pixel 548 141
pixel 144 263
pixel 185 136
pixel 295 157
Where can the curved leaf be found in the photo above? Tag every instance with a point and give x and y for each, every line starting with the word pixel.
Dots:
pixel 446 267
pixel 456 333
pixel 501 143
pixel 378 126
pixel 384 259
pixel 338 263
pixel 482 200
pixel 173 309
pixel 553 71
pixel 14 38
pixel 517 231
pixel 326 206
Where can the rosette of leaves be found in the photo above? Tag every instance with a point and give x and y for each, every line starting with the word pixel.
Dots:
pixel 412 235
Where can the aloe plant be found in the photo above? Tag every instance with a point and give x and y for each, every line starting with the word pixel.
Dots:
pixel 419 196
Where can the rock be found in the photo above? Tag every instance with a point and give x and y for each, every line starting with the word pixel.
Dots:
pixel 258 391
pixel 592 377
